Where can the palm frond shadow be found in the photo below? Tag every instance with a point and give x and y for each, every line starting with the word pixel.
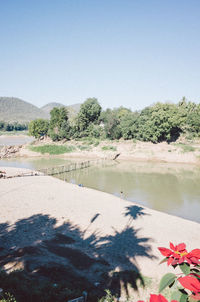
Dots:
pixel 134 212
pixel 66 255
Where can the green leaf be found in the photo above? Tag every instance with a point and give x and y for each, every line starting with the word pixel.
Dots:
pixel 183 298
pixel 176 295
pixel 185 268
pixel 164 260
pixel 166 280
pixel 180 296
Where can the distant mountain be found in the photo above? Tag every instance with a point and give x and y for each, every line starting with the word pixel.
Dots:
pixel 73 109
pixel 16 110
pixel 48 107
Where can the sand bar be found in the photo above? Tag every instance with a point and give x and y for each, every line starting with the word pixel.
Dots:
pixel 123 233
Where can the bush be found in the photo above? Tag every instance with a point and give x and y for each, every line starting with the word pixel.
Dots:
pixel 38 127
pixel 185 148
pixel 109 148
pixel 53 149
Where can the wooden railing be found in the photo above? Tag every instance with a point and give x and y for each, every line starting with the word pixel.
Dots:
pixel 70 167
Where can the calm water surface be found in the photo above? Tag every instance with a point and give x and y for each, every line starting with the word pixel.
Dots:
pixel 33 163
pixel 170 188
pixel 15 140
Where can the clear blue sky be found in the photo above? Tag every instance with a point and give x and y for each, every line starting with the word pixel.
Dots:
pixel 124 52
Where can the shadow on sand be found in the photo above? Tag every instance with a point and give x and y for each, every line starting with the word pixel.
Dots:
pixel 67 257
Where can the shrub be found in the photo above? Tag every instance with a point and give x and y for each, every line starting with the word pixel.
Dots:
pixel 109 148
pixel 53 149
pixel 38 127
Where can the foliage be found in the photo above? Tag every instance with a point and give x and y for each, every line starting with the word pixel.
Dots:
pixel 52 149
pixel 111 121
pixel 59 127
pixel 109 148
pixel 127 123
pixel 38 127
pixel 84 147
pixel 7 297
pixel 156 123
pixel 89 113
pixel 108 297
pixel 185 148
pixel 13 126
pixel 185 286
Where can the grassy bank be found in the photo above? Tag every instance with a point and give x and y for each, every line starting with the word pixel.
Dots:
pixel 52 149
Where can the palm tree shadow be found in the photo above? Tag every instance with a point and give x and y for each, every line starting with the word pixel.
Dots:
pixel 134 212
pixel 122 248
pixel 41 248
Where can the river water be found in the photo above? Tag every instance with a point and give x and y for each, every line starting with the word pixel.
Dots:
pixel 170 188
pixel 15 140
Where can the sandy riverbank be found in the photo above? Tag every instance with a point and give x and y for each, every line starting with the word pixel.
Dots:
pixel 116 235
pixel 179 152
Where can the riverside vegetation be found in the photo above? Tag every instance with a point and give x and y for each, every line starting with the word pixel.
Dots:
pixel 157 123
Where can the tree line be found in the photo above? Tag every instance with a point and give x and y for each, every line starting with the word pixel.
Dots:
pixel 156 123
pixel 4 126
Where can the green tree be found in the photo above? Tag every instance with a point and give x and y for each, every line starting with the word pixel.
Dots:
pixel 59 127
pixel 128 124
pixel 38 127
pixel 158 123
pixel 193 119
pixel 89 113
pixel 111 122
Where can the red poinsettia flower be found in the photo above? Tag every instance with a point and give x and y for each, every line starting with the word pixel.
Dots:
pixel 194 256
pixel 176 254
pixel 158 298
pixel 191 283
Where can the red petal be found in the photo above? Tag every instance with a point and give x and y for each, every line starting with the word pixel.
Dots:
pixel 195 253
pixel 181 246
pixel 174 262
pixel 194 260
pixel 157 298
pixel 172 246
pixel 190 283
pixel 170 260
pixel 195 297
pixel 181 260
pixel 165 252
pixel 189 260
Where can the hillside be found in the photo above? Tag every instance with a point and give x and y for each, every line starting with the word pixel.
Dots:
pixel 73 109
pixel 14 109
pixel 48 107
